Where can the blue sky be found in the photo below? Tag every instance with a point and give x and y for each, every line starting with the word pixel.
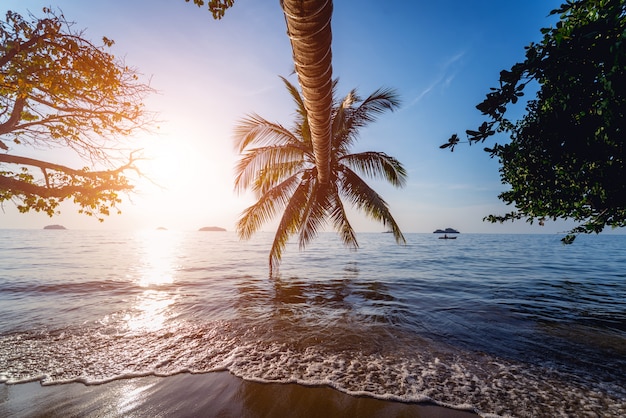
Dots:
pixel 441 56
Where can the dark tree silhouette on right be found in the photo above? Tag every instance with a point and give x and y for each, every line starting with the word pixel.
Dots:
pixel 564 159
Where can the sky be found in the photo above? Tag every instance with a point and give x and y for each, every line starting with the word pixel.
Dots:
pixel 441 56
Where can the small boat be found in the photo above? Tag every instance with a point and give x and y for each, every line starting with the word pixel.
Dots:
pixel 447 237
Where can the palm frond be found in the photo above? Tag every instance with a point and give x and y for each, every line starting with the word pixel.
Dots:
pixel 314 217
pixel 339 218
pixel 366 112
pixel 297 98
pixel 340 116
pixel 291 220
pixel 274 174
pixel 277 161
pixel 334 93
pixel 377 165
pixel 255 130
pixel 266 207
pixel 364 198
pixel 381 100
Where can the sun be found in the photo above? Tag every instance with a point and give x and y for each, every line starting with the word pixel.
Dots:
pixel 185 182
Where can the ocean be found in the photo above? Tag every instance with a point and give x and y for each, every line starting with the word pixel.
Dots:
pixel 504 325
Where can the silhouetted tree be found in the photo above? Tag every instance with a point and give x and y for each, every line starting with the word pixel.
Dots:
pixel 566 155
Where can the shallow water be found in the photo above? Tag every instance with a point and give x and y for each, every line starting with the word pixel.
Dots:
pixel 504 324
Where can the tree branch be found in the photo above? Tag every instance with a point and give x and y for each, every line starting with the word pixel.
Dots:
pixel 23 187
pixel 12 121
pixel 15 159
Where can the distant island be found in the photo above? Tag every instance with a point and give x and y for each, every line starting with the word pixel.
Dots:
pixel 54 227
pixel 446 231
pixel 161 228
pixel 212 228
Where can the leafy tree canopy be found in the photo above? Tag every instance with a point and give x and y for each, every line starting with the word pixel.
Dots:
pixel 216 7
pixel 566 155
pixel 58 89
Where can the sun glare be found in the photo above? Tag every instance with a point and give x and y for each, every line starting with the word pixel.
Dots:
pixel 184 185
pixel 156 272
pixel 167 166
pixel 158 263
pixel 151 311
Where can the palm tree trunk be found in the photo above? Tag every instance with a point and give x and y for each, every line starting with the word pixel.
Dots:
pixel 308 27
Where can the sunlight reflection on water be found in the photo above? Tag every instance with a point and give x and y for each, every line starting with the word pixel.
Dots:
pixel 158 263
pixel 151 311
pixel 157 268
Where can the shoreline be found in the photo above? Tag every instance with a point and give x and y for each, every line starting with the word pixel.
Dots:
pixel 208 394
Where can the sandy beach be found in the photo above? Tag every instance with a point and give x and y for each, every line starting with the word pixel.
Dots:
pixel 206 395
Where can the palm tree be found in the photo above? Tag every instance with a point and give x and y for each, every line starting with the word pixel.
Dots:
pixel 279 166
pixel 309 30
pixel 310 34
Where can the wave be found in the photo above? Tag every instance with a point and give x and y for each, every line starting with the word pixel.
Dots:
pixel 384 365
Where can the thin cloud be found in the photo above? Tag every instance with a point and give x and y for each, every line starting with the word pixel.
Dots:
pixel 444 78
pixel 424 92
pixel 453 60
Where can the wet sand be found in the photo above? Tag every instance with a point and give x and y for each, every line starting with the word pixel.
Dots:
pixel 201 395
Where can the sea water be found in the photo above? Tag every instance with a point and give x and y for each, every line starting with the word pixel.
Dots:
pixel 515 325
